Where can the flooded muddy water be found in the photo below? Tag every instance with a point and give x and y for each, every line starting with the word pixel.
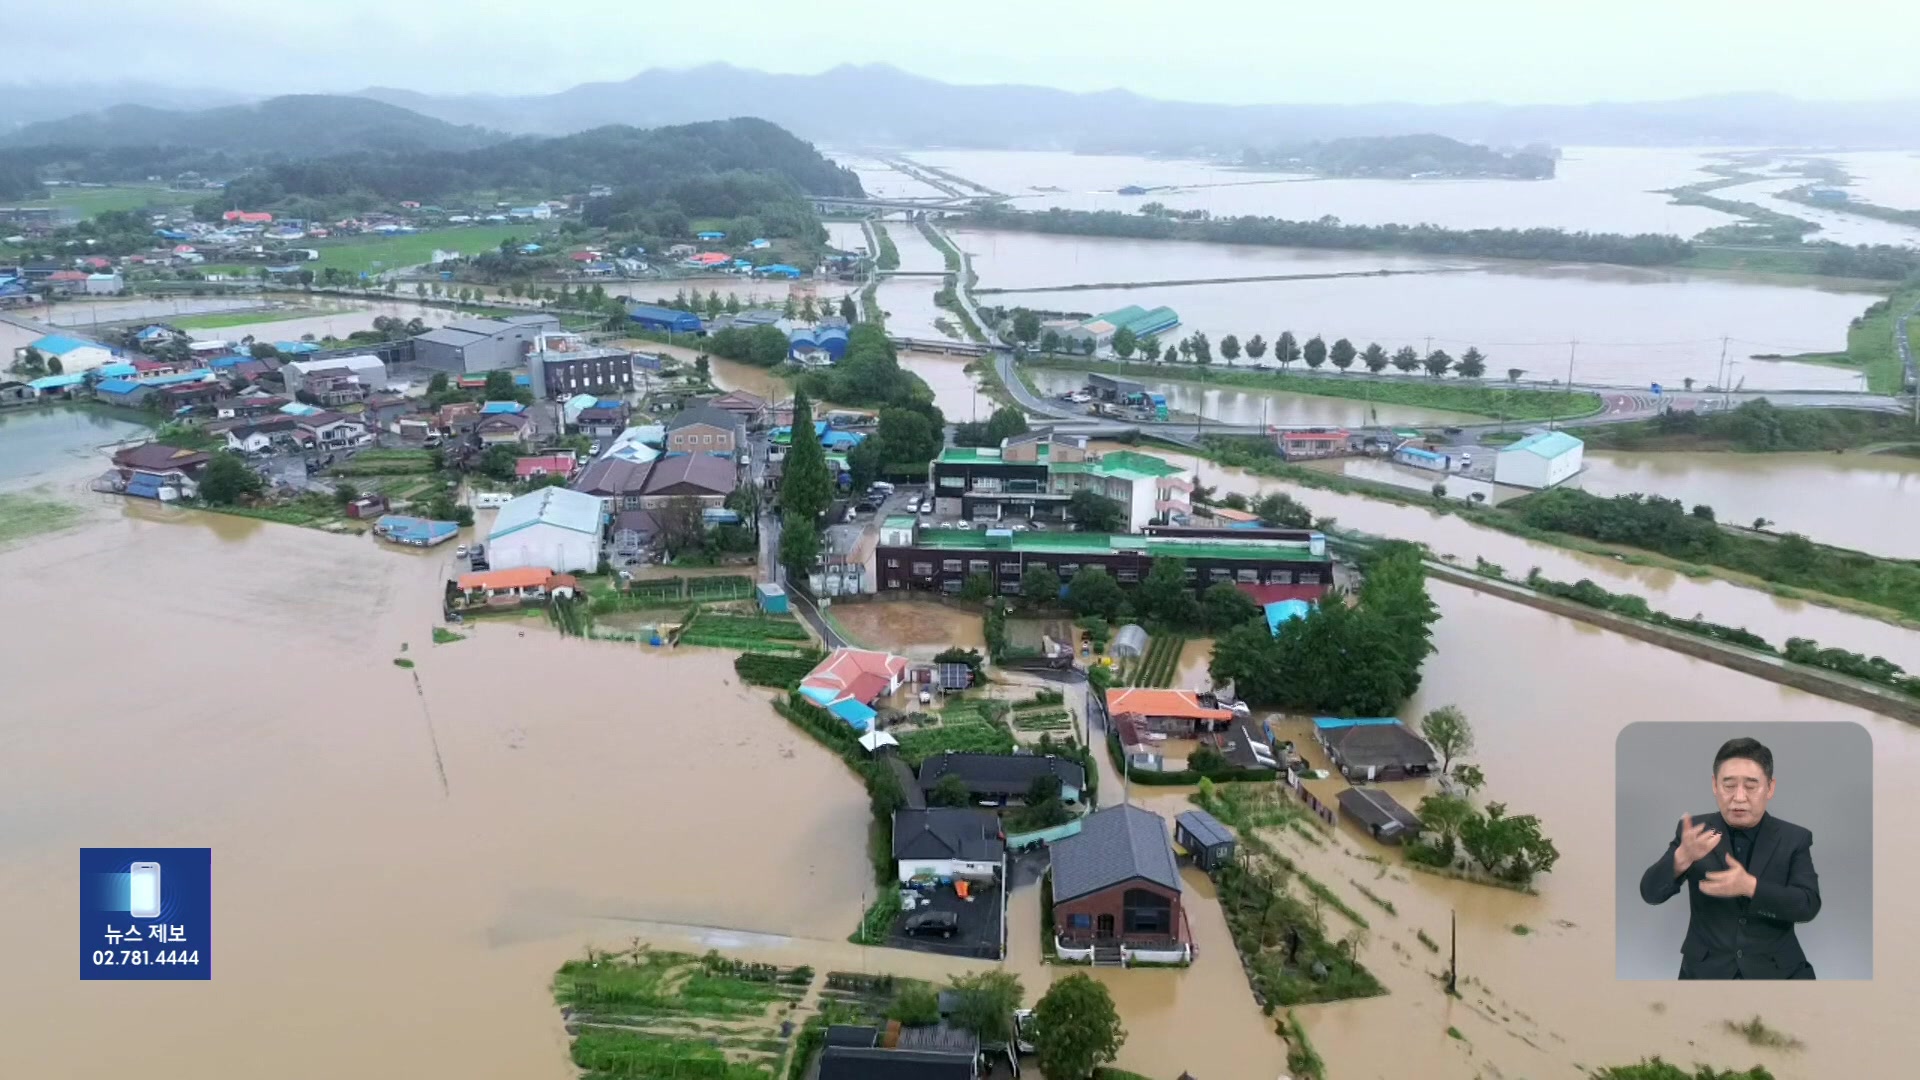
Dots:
pixel 955 390
pixel 399 865
pixel 46 442
pixel 912 628
pixel 1860 501
pixel 1772 617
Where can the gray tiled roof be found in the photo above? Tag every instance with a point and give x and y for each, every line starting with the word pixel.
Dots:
pixel 1114 845
pixel 946 832
pixel 1204 827
pixel 704 414
pixel 1382 745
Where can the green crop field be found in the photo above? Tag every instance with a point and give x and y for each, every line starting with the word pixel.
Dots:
pixel 222 319
pixel 87 202
pixel 364 254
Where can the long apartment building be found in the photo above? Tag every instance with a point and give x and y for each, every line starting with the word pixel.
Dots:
pixel 1032 476
pixel 916 556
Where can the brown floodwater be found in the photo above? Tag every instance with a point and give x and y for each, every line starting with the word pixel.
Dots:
pixel 1772 617
pixel 1860 501
pixel 914 628
pixel 401 862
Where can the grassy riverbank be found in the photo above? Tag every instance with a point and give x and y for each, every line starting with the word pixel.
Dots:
pixel 1481 399
pixel 22 516
pixel 220 320
pixel 1870 345
pixel 888 257
pixel 1757 427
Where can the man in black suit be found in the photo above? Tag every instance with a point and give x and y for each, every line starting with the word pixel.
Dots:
pixel 1749 877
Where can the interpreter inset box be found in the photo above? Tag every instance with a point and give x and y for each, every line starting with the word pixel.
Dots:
pixel 1743 851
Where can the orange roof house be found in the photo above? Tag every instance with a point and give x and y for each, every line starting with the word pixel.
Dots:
pixel 1172 711
pixel 517 579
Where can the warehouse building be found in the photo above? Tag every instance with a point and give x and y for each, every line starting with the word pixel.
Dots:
pixel 1142 321
pixel 368 370
pixel 1540 460
pixel 477 346
pixel 655 317
pixel 562 365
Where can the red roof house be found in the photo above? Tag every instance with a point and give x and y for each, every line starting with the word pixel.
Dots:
pixel 527 468
pixel 860 674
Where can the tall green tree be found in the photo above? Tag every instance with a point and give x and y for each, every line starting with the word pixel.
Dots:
pixel 1315 352
pixel 499 386
pixel 1169 356
pixel 1405 359
pixel 1093 591
pixel 1094 512
pixel 806 487
pixel 985 1002
pixel 847 309
pixel 1256 347
pixel 1149 348
pixel 1437 362
pixel 1278 510
pixel 1223 607
pixel 1202 348
pixel 733 304
pixel 1039 585
pixel 808 313
pixel 789 310
pixel 1375 358
pixel 1285 349
pixel 1342 354
pixel 799 543
pixel 1513 848
pixel 227 479
pixel 1473 363
pixel 1049 342
pixel 1026 326
pixel 1005 423
pixel 1165 595
pixel 1230 348
pixel 1448 731
pixel 1124 342
pixel 1077 1028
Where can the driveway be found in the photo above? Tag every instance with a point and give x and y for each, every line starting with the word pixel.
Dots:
pixel 980 933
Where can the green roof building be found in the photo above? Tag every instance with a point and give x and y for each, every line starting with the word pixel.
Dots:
pixel 1034 475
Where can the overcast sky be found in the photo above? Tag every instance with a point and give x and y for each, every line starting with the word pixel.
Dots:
pixel 1516 51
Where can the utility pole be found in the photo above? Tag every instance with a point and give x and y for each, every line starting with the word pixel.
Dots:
pixel 1453 949
pixel 1724 374
pixel 1553 421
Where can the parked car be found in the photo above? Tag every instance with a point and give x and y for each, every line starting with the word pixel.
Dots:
pixel 1023 1029
pixel 460 552
pixel 863 508
pixel 594 449
pixel 931 924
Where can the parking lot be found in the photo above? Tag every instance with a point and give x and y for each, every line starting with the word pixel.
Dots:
pixel 980 932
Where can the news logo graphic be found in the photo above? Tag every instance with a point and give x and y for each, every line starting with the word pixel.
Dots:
pixel 146 913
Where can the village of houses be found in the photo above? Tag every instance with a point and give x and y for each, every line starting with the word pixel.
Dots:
pixel 1007 775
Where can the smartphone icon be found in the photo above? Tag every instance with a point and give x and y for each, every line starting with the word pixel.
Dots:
pixel 143 891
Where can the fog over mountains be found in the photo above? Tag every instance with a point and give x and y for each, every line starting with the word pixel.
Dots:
pixel 882 105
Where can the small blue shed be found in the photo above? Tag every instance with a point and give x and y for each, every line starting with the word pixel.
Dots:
pixel 772 597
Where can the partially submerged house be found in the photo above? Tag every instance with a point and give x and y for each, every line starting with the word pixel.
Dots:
pixel 945 842
pixel 1378 813
pixel 1200 836
pixel 415 531
pixel 507 587
pixel 1374 748
pixel 1116 891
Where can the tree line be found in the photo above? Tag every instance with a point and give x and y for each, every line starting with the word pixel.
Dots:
pixel 1644 249
pixel 1315 352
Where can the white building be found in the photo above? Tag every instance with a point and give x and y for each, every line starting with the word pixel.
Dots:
pixel 1540 460
pixel 75 354
pixel 553 527
pixel 105 284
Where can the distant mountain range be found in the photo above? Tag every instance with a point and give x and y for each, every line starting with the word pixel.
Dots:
pixel 305 125
pixel 884 106
pixel 879 105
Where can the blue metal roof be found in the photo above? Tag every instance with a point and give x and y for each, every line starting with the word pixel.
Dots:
pixel 1547 444
pixel 296 346
pixel 143 489
pixel 151 332
pixel 175 378
pixel 495 407
pixel 1281 610
pixel 61 344
pixel 1331 723
pixel 119 386
pixel 115 371
pixel 1416 452
pixel 858 716
pixel 402 527
pixel 58 382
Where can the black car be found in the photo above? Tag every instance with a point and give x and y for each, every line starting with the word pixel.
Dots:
pixel 863 508
pixel 932 924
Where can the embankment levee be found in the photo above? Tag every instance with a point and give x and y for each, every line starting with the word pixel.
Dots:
pixel 1088 286
pixel 1772 669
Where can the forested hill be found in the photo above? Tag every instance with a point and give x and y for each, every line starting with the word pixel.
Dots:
pixel 1406 155
pixel 723 168
pixel 303 125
